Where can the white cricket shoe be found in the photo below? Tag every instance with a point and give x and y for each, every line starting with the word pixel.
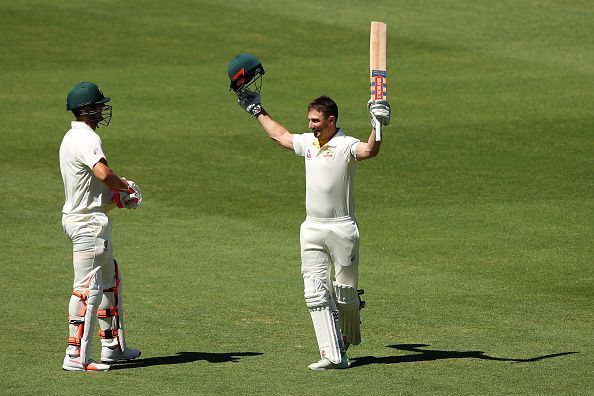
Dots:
pixel 115 354
pixel 326 364
pixel 75 364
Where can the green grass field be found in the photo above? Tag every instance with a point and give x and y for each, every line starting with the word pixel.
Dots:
pixel 476 218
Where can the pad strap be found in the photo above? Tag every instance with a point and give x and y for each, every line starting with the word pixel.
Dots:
pixel 108 312
pixel 82 295
pixel 108 334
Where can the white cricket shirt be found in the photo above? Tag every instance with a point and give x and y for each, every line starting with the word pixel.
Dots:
pixel 329 175
pixel 79 152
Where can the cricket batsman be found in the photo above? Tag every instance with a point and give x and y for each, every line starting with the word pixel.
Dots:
pixel 91 189
pixel 329 235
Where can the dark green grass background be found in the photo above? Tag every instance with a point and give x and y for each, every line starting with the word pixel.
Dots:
pixel 476 218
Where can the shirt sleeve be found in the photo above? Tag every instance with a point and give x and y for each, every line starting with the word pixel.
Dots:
pixel 90 151
pixel 353 143
pixel 298 144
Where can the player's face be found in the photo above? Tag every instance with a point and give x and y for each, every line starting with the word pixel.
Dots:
pixel 320 125
pixel 98 114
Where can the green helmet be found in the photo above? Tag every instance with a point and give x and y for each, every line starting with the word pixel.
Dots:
pixel 84 94
pixel 245 71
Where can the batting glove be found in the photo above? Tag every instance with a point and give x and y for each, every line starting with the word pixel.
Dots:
pixel 250 102
pixel 129 199
pixel 380 110
pixel 135 198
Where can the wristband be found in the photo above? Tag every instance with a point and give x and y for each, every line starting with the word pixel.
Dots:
pixel 256 109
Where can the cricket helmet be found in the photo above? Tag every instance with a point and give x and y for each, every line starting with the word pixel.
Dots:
pixel 82 99
pixel 245 71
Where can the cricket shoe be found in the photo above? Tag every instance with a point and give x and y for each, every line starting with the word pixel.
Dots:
pixel 115 354
pixel 326 364
pixel 75 364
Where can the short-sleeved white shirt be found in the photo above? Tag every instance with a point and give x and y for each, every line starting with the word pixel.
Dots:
pixel 79 152
pixel 329 175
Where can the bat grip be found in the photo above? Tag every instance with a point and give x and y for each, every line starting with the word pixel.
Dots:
pixel 378 130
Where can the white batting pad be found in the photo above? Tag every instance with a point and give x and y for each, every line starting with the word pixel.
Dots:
pixel 324 317
pixel 93 299
pixel 347 301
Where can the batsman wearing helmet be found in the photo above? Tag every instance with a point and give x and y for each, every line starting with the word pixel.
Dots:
pixel 91 189
pixel 329 235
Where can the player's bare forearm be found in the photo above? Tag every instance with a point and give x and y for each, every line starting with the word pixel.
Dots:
pixel 276 131
pixel 115 182
pixel 105 174
pixel 368 149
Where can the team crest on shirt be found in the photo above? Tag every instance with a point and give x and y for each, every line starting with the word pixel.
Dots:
pixel 308 154
pixel 328 153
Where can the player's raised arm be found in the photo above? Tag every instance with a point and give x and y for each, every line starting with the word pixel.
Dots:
pixel 245 73
pixel 276 131
pixel 250 102
pixel 380 112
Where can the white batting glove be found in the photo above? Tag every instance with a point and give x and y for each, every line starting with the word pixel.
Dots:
pixel 380 110
pixel 250 102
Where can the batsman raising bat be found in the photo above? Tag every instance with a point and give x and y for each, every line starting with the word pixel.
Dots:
pixel 329 235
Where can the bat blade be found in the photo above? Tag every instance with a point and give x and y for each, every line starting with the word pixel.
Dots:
pixel 377 66
pixel 377 60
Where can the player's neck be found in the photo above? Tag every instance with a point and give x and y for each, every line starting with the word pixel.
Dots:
pixel 91 124
pixel 325 138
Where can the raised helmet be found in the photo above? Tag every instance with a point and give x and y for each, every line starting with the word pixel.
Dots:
pixel 245 71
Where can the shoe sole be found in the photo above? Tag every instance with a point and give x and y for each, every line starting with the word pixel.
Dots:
pixel 329 368
pixel 69 368
pixel 119 360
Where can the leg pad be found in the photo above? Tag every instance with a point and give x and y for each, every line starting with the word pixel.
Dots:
pixel 324 317
pixel 349 304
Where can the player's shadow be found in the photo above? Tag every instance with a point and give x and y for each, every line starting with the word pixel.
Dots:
pixel 183 357
pixel 425 355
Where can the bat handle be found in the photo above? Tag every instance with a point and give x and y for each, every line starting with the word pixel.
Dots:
pixel 378 130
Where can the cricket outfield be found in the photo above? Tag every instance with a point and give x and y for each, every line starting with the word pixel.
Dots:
pixel 476 217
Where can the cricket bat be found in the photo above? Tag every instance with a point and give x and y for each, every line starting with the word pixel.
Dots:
pixel 377 67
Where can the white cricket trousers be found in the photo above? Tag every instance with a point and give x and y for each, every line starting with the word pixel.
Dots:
pixel 91 248
pixel 331 242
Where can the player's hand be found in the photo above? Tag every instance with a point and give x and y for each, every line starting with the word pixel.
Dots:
pixel 134 199
pixel 380 110
pixel 129 199
pixel 250 102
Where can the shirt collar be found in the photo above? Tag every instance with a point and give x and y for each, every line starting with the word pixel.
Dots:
pixel 80 125
pixel 331 142
pixel 338 133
